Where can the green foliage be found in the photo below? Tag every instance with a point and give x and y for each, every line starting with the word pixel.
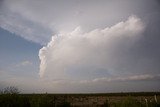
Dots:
pixel 13 100
pixel 130 102
pixel 10 98
pixel 45 101
pixel 106 104
pixel 64 104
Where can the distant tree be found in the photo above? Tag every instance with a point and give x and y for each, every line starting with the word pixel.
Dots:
pixel 10 90
pixel 1 91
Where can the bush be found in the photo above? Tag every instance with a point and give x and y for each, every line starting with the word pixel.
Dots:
pixel 64 104
pixel 10 98
pixel 46 101
pixel 10 90
pixel 13 100
pixel 106 104
pixel 130 102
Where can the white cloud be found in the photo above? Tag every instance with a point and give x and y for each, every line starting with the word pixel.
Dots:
pixel 38 20
pixel 128 78
pixel 69 54
pixel 13 19
pixel 110 54
pixel 24 63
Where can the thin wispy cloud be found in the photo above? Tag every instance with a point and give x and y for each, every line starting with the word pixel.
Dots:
pixel 38 21
pixel 24 63
pixel 13 19
pixel 143 77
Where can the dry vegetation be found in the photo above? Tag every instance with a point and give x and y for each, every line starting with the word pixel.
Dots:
pixel 10 97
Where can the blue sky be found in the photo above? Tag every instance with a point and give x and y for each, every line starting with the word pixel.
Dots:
pixel 15 46
pixel 18 57
pixel 80 46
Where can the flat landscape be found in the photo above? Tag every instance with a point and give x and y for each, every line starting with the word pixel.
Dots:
pixel 79 53
pixel 136 99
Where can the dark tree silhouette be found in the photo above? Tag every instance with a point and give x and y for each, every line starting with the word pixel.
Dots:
pixel 10 90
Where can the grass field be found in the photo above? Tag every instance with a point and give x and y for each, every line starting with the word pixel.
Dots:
pixel 141 99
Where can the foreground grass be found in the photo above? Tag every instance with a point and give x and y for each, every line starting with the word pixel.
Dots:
pixel 81 100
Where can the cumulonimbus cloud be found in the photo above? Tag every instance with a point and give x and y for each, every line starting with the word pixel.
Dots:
pixel 69 54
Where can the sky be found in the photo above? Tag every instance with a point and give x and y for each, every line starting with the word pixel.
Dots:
pixel 80 46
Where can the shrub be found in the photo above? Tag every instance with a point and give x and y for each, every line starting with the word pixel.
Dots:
pixel 10 90
pixel 130 102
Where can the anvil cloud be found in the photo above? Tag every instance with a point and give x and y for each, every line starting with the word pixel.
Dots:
pixel 101 49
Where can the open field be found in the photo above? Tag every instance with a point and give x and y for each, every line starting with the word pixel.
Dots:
pixel 141 99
